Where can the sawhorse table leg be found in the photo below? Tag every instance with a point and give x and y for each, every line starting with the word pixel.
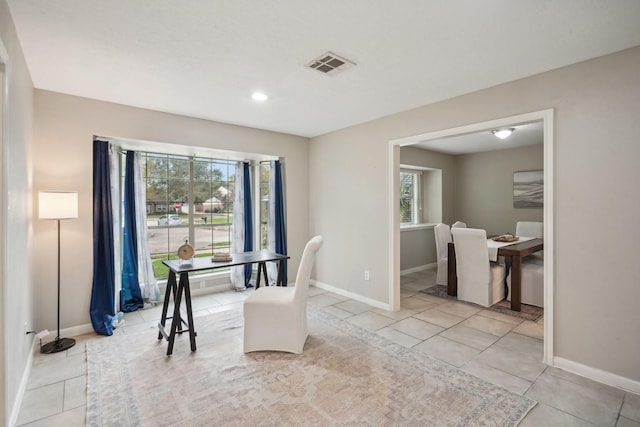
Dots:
pixel 183 288
pixel 171 287
pixel 262 271
pixel 280 281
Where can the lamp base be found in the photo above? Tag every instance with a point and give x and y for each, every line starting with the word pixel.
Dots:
pixel 58 345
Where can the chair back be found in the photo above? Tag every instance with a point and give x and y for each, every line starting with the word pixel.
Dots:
pixel 442 233
pixel 459 224
pixel 472 262
pixel 530 229
pixel 304 271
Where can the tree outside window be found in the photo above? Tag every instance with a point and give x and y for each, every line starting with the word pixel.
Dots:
pixel 188 199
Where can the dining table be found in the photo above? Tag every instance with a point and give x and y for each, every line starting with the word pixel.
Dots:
pixel 513 254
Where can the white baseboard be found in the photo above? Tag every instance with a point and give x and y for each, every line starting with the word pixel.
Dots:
pixel 15 410
pixel 88 327
pixel 351 295
pixel 212 289
pixel 418 268
pixel 69 332
pixel 598 375
pixel 64 333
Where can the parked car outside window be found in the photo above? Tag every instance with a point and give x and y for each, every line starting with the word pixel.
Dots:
pixel 169 220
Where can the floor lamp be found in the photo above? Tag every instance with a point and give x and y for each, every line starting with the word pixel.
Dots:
pixel 58 205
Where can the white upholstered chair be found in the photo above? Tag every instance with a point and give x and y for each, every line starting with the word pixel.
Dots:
pixel 532 277
pixel 532 284
pixel 275 317
pixel 459 224
pixel 442 234
pixel 531 229
pixel 479 280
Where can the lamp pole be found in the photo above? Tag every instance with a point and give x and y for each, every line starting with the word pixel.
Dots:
pixel 58 206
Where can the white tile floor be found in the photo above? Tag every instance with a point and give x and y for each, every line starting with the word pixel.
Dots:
pixel 498 348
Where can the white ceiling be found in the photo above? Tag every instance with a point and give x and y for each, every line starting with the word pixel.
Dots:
pixel 204 58
pixel 522 136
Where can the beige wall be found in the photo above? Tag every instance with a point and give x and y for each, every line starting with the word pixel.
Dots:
pixel 596 199
pixel 417 249
pixel 484 193
pixel 64 130
pixel 16 294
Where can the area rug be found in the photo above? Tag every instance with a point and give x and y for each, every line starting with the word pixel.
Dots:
pixel 346 376
pixel 529 312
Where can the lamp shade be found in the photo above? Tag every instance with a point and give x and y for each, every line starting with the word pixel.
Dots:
pixel 57 204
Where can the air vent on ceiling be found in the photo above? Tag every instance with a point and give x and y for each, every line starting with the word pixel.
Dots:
pixel 330 63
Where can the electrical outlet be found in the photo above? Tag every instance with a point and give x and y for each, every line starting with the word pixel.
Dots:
pixel 366 275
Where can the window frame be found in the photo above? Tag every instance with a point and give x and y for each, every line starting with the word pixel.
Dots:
pixel 192 215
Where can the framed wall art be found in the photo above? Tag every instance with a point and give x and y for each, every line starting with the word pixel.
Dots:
pixel 528 189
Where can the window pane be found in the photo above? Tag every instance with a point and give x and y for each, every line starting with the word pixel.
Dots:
pixel 211 192
pixel 265 171
pixel 154 166
pixel 178 168
pixel 407 197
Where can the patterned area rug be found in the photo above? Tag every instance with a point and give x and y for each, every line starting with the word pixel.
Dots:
pixel 529 312
pixel 347 376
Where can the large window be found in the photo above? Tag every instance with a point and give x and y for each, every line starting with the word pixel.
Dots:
pixel 190 198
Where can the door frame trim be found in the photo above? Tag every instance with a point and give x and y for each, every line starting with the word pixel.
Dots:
pixel 546 116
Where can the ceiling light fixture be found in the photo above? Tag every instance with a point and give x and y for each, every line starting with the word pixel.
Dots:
pixel 259 96
pixel 503 133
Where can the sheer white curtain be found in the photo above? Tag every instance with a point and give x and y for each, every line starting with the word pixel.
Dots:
pixel 237 229
pixel 272 267
pixel 115 162
pixel 146 277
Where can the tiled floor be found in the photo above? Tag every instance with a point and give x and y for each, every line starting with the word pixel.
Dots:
pixel 501 349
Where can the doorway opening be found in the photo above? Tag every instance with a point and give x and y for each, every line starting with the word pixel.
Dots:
pixel 544 116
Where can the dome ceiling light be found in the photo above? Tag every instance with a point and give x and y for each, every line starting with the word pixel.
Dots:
pixel 259 96
pixel 503 133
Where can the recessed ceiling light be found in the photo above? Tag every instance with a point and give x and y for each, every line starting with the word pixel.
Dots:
pixel 259 96
pixel 503 133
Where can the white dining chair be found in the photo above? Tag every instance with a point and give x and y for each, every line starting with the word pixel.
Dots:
pixel 479 280
pixel 531 284
pixel 275 317
pixel 459 224
pixel 442 234
pixel 531 229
